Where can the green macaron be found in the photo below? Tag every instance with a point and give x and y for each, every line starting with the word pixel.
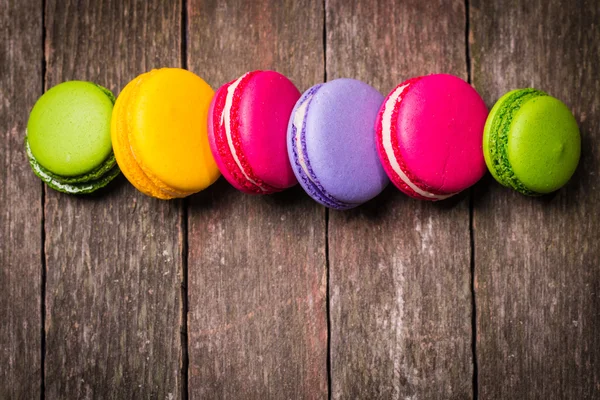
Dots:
pixel 531 142
pixel 68 140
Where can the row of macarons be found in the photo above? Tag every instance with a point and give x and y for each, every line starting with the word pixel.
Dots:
pixel 171 135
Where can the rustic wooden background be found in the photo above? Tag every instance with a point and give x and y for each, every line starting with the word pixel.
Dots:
pixel 489 295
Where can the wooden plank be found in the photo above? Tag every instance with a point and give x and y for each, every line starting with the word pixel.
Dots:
pixel 20 203
pixel 538 259
pixel 257 277
pixel 114 260
pixel 399 268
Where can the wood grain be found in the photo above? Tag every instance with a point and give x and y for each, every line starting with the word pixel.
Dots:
pixel 537 260
pixel 20 203
pixel 257 277
pixel 399 268
pixel 114 260
pixel 399 277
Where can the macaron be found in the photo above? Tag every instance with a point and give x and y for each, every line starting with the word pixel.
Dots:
pixel 531 142
pixel 247 125
pixel 429 132
pixel 331 143
pixel 159 133
pixel 68 137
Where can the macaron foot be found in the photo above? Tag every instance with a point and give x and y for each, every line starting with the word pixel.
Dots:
pixel 76 185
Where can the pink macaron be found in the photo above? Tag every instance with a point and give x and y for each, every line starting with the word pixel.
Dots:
pixel 247 125
pixel 429 134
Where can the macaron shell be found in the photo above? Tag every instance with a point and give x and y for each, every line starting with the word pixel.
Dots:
pixel 439 130
pixel 259 111
pixel 544 144
pixel 265 108
pixel 221 164
pixel 69 128
pixel 226 149
pixel 296 153
pixel 340 140
pixel 121 147
pixel 168 132
pixel 388 148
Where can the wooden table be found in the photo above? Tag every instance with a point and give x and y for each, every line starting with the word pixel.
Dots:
pixel 489 295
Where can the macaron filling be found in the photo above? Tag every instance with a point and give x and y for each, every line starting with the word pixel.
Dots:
pixel 301 160
pixel 229 143
pixel 498 138
pixel 390 145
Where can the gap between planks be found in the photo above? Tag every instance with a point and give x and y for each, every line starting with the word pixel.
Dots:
pixel 185 360
pixel 471 227
pixel 43 232
pixel 327 292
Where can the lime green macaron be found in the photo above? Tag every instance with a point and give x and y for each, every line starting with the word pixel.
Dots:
pixel 531 142
pixel 68 140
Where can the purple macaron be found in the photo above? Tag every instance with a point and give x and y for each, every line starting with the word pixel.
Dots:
pixel 331 143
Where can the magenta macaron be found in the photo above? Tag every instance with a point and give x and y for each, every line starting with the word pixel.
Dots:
pixel 247 125
pixel 429 134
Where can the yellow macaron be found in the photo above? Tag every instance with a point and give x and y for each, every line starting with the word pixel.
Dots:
pixel 159 133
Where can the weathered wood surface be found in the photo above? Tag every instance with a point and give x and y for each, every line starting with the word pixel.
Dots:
pixel 20 203
pixel 538 260
pixel 257 271
pixel 114 260
pixel 399 268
